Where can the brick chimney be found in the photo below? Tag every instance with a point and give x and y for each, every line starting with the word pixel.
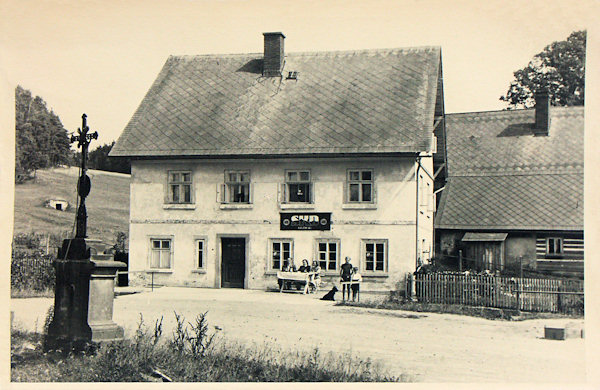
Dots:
pixel 274 54
pixel 542 113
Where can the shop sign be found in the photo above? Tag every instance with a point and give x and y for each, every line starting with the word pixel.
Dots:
pixel 305 221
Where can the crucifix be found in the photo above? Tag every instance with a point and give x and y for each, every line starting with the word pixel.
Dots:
pixel 84 184
pixel 84 290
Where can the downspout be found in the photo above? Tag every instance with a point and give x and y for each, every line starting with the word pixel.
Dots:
pixel 418 161
pixel 419 167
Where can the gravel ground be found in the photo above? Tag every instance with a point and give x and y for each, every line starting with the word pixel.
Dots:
pixel 427 347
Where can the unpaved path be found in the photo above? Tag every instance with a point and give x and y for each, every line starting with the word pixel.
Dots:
pixel 427 347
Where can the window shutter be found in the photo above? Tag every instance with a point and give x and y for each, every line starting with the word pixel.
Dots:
pixel 282 192
pixel 345 190
pixel 220 193
pixel 251 193
pixel 311 190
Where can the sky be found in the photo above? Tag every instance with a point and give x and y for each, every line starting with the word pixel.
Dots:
pixel 100 57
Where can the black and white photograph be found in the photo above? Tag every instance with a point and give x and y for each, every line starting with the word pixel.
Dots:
pixel 299 191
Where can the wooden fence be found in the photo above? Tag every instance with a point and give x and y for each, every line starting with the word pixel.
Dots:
pixel 528 294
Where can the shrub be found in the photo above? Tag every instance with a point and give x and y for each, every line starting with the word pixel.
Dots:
pixel 32 271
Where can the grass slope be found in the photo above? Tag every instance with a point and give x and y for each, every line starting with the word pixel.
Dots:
pixel 107 204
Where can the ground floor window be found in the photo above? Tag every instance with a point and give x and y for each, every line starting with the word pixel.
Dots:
pixel 200 253
pixel 328 253
pixel 554 246
pixel 281 250
pixel 375 255
pixel 161 253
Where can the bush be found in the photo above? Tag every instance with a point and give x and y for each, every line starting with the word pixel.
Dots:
pixel 32 271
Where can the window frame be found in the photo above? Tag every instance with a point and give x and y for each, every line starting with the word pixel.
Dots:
pixel 151 250
pixel 363 254
pixel 328 240
pixel 180 184
pixel 280 241
pixel 360 183
pixel 287 183
pixel 204 241
pixel 560 240
pixel 226 191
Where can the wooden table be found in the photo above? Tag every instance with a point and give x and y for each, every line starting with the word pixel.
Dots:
pixel 294 278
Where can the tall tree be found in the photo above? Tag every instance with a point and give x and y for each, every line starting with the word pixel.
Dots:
pixel 559 69
pixel 41 139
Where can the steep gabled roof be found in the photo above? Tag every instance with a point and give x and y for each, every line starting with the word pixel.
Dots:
pixel 341 102
pixel 503 177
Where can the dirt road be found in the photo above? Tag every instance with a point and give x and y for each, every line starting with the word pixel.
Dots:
pixel 427 347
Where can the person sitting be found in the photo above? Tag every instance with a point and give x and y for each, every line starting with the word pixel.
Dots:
pixel 356 279
pixel 305 267
pixel 289 266
pixel 317 273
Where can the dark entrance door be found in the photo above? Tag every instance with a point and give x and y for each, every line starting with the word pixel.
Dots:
pixel 233 259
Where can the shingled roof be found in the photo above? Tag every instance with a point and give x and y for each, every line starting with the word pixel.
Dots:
pixel 374 101
pixel 502 177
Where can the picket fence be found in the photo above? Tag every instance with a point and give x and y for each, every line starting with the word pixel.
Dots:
pixel 527 294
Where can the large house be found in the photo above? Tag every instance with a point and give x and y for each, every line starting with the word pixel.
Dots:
pixel 514 193
pixel 240 162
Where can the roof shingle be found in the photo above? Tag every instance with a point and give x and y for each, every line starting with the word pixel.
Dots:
pixel 342 102
pixel 501 177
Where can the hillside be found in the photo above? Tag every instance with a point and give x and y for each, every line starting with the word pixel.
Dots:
pixel 107 205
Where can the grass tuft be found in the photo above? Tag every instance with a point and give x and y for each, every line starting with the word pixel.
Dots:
pixel 191 354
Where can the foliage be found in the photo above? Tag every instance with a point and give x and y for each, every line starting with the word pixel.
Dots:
pixel 120 242
pixel 41 139
pixel 99 159
pixel 135 360
pixel 31 271
pixel 559 69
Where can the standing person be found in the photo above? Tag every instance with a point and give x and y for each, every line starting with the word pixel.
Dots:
pixel 346 272
pixel 356 279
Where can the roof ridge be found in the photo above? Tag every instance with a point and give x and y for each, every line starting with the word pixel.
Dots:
pixel 314 53
pixel 519 110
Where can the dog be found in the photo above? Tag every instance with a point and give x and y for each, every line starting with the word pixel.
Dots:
pixel 330 295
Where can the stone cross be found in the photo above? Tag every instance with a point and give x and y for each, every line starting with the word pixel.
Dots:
pixel 84 184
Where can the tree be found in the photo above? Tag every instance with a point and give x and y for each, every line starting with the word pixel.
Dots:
pixel 41 139
pixel 559 69
pixel 99 159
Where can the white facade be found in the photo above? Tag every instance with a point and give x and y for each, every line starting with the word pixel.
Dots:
pixel 394 223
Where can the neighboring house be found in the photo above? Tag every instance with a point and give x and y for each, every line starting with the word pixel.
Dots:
pixel 239 162
pixel 515 188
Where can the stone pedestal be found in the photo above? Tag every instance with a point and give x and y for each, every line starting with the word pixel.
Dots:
pixel 102 291
pixel 83 299
pixel 69 328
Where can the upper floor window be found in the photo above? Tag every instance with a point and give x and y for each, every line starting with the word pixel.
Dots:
pixel 298 187
pixel 161 253
pixel 360 186
pixel 237 187
pixel 554 246
pixel 180 187
pixel 281 250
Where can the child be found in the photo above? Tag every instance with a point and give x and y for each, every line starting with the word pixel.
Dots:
pixel 356 279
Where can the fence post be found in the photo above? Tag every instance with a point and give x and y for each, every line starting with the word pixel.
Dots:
pixel 413 287
pixel 460 260
pixel 521 267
